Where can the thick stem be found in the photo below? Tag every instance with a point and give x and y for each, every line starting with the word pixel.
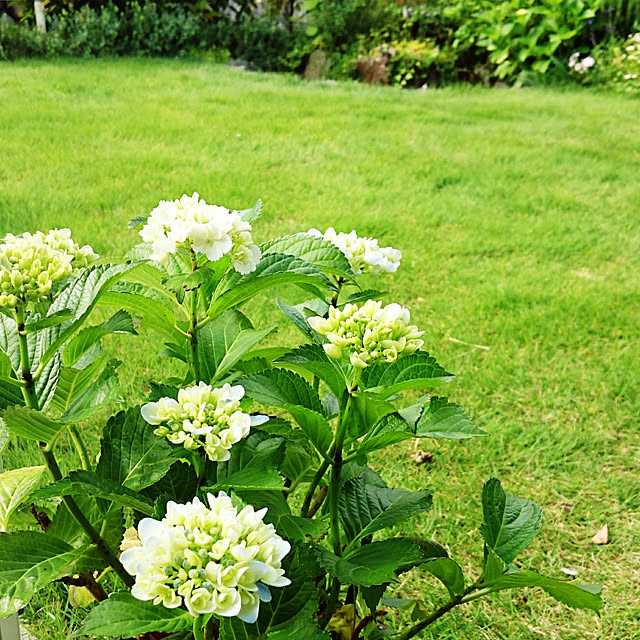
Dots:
pixel 336 295
pixel 438 613
pixel 304 512
pixel 80 447
pixel 31 400
pixel 193 329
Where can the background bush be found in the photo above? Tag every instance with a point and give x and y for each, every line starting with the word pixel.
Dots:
pixel 436 42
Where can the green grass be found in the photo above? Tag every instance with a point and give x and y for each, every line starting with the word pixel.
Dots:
pixel 517 213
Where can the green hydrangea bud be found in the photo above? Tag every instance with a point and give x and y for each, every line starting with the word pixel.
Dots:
pixel 368 334
pixel 30 264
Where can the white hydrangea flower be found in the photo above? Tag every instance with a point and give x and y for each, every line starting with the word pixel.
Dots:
pixel 368 334
pixel 203 417
pixel 213 559
pixel 364 254
pixel 31 263
pixel 209 229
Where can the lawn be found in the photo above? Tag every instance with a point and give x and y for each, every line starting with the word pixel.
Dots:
pixel 517 212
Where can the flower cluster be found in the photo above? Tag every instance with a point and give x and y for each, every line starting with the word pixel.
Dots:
pixel 364 254
pixel 214 559
pixel 581 66
pixel 628 62
pixel 191 223
pixel 368 334
pixel 203 417
pixel 31 263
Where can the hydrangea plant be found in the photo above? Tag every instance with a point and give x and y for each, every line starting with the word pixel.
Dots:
pixel 237 502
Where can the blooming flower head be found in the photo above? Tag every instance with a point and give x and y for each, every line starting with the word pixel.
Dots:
pixel 203 417
pixel 210 229
pixel 364 254
pixel 213 559
pixel 368 334
pixel 30 264
pixel 581 66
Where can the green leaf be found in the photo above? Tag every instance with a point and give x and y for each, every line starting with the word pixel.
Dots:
pixel 510 523
pixel 48 321
pixel 104 390
pixel 73 381
pixel 10 394
pixel 363 296
pixel 4 436
pixel 132 454
pixel 373 563
pixel 142 301
pixel 31 424
pixel 366 508
pixel 448 572
pixel 279 387
pixel 9 340
pixel 120 322
pixel 390 429
pixel 29 560
pixel 272 271
pixel 123 615
pixel 369 409
pixel 256 477
pixel 312 360
pixel 224 341
pixel 301 529
pixel 314 426
pixel 443 419
pixel 299 320
pixel 15 486
pixel 79 298
pixel 414 371
pixel 317 251
pixel 137 221
pixel 90 483
pixel 249 215
pixel 578 596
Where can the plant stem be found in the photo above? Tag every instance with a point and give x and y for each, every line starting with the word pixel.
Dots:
pixel 31 400
pixel 80 447
pixel 438 613
pixel 193 330
pixel 334 299
pixel 304 512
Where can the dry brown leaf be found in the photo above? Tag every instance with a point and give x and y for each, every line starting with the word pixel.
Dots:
pixel 602 537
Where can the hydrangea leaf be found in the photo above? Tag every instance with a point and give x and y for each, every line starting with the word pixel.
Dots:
pixel 249 215
pixel 373 563
pixel 273 270
pixel 278 387
pixel 122 615
pixel 31 424
pixel 85 339
pixel 578 596
pixel 365 508
pixel 414 371
pixel 295 314
pixel 510 523
pixel 312 360
pixel 448 572
pixel 90 483
pixel 314 425
pixel 131 453
pixel 15 487
pixel 390 429
pixel 104 390
pixel 317 251
pixel 29 560
pixel 72 381
pixel 443 419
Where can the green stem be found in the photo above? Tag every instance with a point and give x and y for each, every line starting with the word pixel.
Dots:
pixel 304 512
pixel 80 447
pixel 193 330
pixel 332 603
pixel 438 613
pixel 31 400
pixel 336 295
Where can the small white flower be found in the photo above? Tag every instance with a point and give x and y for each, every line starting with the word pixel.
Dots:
pixel 211 559
pixel 364 254
pixel 203 417
pixel 193 224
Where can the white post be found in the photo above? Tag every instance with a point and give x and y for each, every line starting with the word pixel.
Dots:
pixel 9 627
pixel 38 8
